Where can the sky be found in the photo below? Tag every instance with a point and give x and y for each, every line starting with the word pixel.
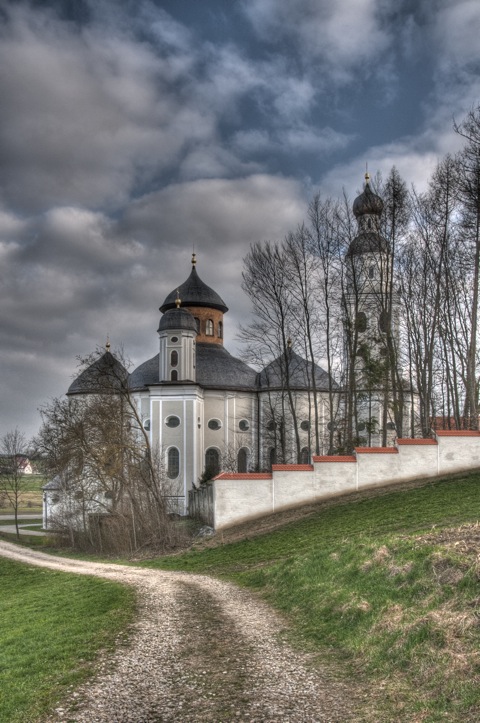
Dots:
pixel 132 132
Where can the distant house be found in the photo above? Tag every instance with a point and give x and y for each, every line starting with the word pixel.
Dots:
pixel 22 462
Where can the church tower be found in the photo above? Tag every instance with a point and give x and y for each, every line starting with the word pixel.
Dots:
pixel 177 331
pixel 371 326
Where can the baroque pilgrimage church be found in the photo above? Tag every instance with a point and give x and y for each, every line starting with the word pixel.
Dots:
pixel 207 410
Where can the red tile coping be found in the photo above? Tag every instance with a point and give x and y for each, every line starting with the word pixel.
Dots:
pixel 457 433
pixel 292 467
pixel 335 458
pixel 416 441
pixel 376 450
pixel 243 475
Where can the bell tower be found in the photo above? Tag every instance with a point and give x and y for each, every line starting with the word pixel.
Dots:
pixel 177 331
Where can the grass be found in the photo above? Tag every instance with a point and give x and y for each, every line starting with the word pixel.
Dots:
pixel 370 585
pixel 52 626
pixel 31 497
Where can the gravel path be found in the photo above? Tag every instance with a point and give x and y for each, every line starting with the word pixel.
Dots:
pixel 201 650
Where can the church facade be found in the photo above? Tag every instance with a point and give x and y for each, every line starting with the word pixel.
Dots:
pixel 207 411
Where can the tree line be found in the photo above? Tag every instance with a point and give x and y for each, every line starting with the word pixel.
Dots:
pixel 417 366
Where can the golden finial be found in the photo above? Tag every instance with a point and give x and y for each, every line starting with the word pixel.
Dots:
pixel 178 301
pixel 194 258
pixel 107 345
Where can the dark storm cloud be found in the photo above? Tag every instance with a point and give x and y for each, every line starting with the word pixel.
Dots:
pixel 131 132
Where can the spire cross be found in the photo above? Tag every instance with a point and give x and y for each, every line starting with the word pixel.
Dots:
pixel 107 345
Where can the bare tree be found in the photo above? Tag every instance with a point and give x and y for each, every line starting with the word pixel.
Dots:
pixel 13 480
pixel 114 482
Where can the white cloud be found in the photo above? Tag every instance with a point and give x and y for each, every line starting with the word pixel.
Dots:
pixel 341 34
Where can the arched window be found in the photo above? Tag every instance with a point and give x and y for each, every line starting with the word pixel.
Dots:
pixel 174 358
pixel 273 456
pixel 361 322
pixel 174 376
pixel 383 322
pixel 305 456
pixel 197 324
pixel 242 459
pixel 209 327
pixel 371 272
pixel 212 461
pixel 220 330
pixel 173 463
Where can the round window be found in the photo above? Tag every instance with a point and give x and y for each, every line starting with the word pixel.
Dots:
pixel 172 421
pixel 214 424
pixel 146 425
pixel 174 339
pixel 305 425
pixel 361 426
pixel 243 425
pixel 271 426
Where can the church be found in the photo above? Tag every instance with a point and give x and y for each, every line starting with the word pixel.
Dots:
pixel 207 411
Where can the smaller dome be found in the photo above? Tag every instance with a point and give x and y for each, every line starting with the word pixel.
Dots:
pixel 368 202
pixel 105 376
pixel 177 319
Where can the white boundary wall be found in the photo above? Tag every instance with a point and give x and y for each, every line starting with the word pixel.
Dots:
pixel 241 497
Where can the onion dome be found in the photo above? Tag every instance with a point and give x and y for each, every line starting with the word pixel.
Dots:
pixel 194 292
pixel 177 318
pixel 368 202
pixel 368 208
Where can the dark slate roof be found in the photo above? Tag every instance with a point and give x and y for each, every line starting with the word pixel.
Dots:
pixel 145 374
pixel 194 292
pixel 368 242
pixel 215 368
pixel 367 202
pixel 300 373
pixel 177 319
pixel 103 376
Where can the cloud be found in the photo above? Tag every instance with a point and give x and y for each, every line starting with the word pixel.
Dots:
pixel 341 35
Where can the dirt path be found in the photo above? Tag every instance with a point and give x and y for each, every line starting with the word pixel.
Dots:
pixel 201 650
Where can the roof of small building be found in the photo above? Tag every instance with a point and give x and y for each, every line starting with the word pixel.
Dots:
pixel 54 484
pixel 104 376
pixel 194 292
pixel 299 372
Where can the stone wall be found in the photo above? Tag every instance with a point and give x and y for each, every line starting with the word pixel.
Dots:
pixel 239 497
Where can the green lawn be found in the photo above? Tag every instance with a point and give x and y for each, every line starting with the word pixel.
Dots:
pixel 370 586
pixel 52 626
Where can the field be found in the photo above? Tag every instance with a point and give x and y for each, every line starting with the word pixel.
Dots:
pixel 383 587
pixel 31 498
pixel 52 626
pixel 386 588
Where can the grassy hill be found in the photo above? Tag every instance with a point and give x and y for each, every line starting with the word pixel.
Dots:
pixel 384 586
